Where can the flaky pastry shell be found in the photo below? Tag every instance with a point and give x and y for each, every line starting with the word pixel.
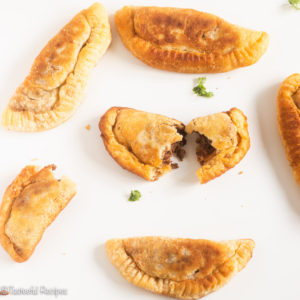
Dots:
pixel 223 140
pixel 288 110
pixel 55 86
pixel 177 267
pixel 30 204
pixel 186 40
pixel 142 142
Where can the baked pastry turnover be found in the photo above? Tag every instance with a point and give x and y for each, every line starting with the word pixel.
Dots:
pixel 142 142
pixel 186 40
pixel 180 268
pixel 30 204
pixel 54 88
pixel 223 140
pixel 288 110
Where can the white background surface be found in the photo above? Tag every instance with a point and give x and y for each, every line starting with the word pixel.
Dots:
pixel 263 203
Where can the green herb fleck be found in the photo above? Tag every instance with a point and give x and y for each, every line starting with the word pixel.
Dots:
pixel 200 89
pixel 134 196
pixel 295 3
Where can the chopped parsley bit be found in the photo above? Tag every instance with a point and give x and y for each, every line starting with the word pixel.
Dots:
pixel 134 196
pixel 200 89
pixel 295 3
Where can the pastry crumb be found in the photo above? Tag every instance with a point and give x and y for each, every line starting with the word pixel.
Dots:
pixel 241 172
pixel 88 127
pixel 64 253
pixel 34 159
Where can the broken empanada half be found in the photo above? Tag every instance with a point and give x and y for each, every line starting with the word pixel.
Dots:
pixel 177 267
pixel 142 142
pixel 223 140
pixel 30 204
pixel 188 41
pixel 288 115
pixel 55 86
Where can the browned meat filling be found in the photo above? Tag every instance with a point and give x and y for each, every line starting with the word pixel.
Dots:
pixel 204 149
pixel 167 157
pixel 176 149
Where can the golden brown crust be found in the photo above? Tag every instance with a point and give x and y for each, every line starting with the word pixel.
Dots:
pixel 186 40
pixel 54 88
pixel 288 100
pixel 180 268
pixel 138 140
pixel 228 134
pixel 30 204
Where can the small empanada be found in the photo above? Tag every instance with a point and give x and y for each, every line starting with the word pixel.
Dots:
pixel 288 110
pixel 30 204
pixel 54 88
pixel 223 141
pixel 179 268
pixel 142 142
pixel 186 40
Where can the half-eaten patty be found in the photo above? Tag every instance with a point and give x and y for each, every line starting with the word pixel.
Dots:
pixel 142 142
pixel 223 140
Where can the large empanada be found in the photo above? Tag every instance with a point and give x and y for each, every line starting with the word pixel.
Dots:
pixel 222 142
pixel 142 142
pixel 288 110
pixel 180 268
pixel 54 88
pixel 186 40
pixel 30 204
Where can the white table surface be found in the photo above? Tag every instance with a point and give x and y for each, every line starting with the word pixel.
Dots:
pixel 263 203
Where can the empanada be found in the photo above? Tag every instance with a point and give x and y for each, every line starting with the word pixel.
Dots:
pixel 288 110
pixel 54 88
pixel 222 142
pixel 186 40
pixel 142 142
pixel 30 204
pixel 180 268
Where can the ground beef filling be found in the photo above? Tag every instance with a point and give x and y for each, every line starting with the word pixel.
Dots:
pixel 176 148
pixel 204 149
